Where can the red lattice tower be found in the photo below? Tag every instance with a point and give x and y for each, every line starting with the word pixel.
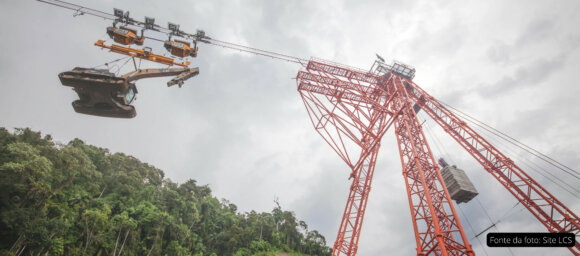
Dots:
pixel 352 109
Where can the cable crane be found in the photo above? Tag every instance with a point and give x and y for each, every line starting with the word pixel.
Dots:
pixel 353 108
pixel 101 92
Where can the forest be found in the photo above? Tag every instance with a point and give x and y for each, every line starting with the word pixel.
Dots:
pixel 79 199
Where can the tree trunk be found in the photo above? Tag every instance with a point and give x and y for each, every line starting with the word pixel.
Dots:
pixel 102 192
pixel 153 245
pixel 155 241
pixel 22 250
pixel 117 242
pixel 88 236
pixel 191 226
pixel 124 240
pixel 15 245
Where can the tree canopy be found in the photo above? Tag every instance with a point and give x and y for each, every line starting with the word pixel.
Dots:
pixel 78 199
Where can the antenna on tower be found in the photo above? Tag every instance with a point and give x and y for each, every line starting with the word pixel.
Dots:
pixel 380 58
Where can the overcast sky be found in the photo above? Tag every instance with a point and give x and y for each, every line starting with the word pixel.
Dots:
pixel 241 127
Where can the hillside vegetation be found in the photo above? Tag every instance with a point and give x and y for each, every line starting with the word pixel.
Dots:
pixel 78 199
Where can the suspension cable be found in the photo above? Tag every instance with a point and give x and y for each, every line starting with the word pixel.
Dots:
pixel 442 151
pixel 80 10
pixel 538 169
pixel 438 144
pixel 508 212
pixel 528 163
pixel 472 230
pixel 494 224
pixel 256 51
pixel 545 158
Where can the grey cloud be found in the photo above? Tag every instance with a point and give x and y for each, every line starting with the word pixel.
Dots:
pixel 537 30
pixel 500 53
pixel 526 76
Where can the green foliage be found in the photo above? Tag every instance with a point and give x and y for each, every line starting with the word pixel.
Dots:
pixel 260 246
pixel 78 199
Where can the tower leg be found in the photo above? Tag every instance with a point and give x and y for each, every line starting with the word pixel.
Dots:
pixel 435 222
pixel 354 211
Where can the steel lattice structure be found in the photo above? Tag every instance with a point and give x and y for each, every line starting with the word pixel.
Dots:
pixel 352 109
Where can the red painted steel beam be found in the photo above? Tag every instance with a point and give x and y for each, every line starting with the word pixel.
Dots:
pixel 438 230
pixel 350 105
pixel 346 109
pixel 552 213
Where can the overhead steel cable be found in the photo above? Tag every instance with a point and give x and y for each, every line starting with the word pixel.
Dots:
pixel 545 158
pixel 80 9
pixel 493 224
pixel 256 51
pixel 573 190
pixel 497 140
pixel 438 145
pixel 538 169
pixel 473 231
pixel 198 37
